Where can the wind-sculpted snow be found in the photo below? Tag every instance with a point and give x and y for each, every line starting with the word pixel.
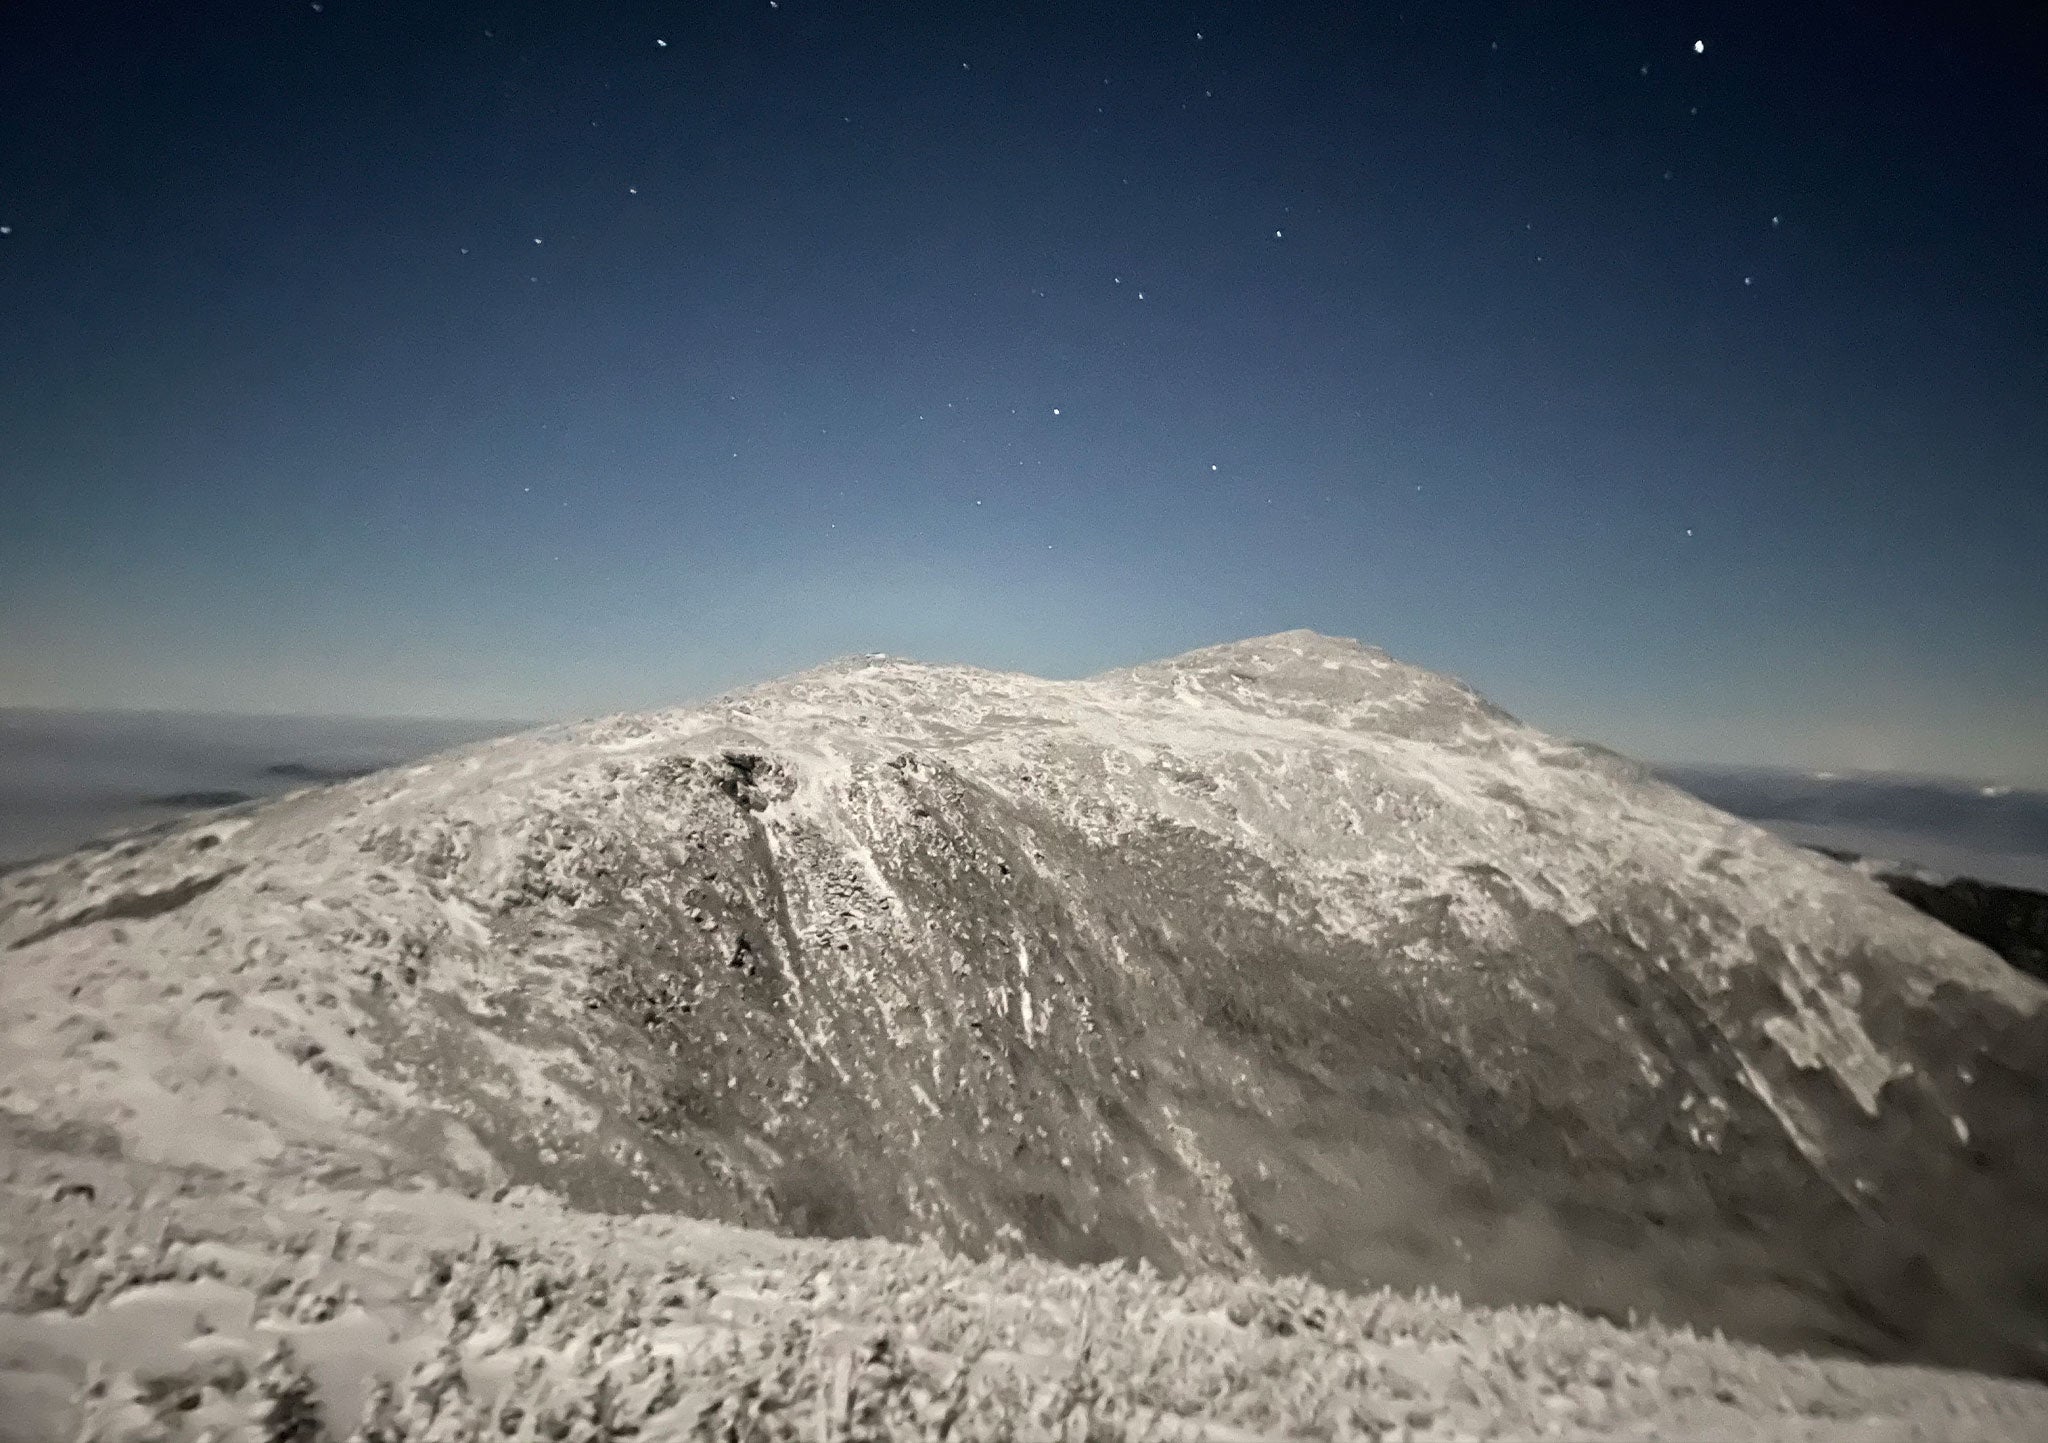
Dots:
pixel 166 1308
pixel 1280 956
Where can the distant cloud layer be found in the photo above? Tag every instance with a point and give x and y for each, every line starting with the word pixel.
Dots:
pixel 67 777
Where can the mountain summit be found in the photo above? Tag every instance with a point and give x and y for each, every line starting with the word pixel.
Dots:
pixel 1280 956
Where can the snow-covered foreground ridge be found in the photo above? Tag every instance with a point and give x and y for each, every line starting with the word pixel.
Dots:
pixel 1281 956
pixel 162 1309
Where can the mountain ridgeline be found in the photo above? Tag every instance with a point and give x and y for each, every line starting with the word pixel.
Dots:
pixel 1281 956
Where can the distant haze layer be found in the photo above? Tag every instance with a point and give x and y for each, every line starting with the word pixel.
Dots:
pixel 1946 827
pixel 67 777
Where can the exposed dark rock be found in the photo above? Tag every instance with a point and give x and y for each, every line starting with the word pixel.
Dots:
pixel 307 772
pixel 131 906
pixel 2011 921
pixel 199 801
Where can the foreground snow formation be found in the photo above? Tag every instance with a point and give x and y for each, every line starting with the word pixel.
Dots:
pixel 158 1306
pixel 1280 958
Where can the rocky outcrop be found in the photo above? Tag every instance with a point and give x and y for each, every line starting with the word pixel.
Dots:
pixel 198 801
pixel 2011 921
pixel 309 772
pixel 1280 956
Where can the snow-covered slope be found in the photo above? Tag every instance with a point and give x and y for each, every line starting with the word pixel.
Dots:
pixel 1279 955
pixel 146 1304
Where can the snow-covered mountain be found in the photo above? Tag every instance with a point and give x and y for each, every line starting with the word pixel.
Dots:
pixel 1280 955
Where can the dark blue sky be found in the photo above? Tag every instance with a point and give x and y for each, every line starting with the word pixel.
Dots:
pixel 501 359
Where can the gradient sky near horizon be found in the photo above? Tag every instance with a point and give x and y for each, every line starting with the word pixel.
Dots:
pixel 1676 375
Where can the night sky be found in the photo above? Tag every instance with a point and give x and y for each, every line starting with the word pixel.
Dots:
pixel 1677 375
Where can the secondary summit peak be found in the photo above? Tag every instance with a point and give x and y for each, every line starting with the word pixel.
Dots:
pixel 1330 680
